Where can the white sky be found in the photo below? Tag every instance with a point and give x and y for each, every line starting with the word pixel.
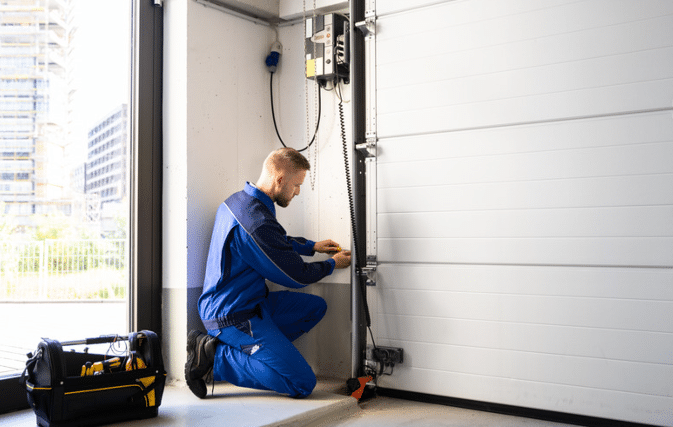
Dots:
pixel 102 61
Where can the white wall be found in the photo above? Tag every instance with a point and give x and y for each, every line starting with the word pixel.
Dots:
pixel 217 132
pixel 214 140
pixel 290 9
pixel 263 9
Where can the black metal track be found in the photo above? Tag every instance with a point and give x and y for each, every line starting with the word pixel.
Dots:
pixel 357 81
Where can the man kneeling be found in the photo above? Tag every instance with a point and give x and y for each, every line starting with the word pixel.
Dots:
pixel 250 330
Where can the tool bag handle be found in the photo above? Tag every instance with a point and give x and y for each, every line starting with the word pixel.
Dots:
pixel 30 364
pixel 98 340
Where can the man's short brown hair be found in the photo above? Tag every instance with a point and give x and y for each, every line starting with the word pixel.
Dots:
pixel 287 158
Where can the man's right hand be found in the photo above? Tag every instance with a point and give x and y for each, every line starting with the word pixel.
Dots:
pixel 342 259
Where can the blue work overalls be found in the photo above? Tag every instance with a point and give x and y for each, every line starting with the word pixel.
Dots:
pixel 256 328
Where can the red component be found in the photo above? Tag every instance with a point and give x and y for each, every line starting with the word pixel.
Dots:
pixel 363 382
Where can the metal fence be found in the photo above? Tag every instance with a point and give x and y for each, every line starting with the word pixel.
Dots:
pixel 57 270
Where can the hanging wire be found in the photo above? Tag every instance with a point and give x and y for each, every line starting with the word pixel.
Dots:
pixel 273 115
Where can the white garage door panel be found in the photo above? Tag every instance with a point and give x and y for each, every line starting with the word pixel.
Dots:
pixel 532 309
pixel 436 14
pixel 597 132
pixel 620 283
pixel 539 38
pixel 651 221
pixel 565 398
pixel 605 344
pixel 596 373
pixel 616 283
pixel 575 28
pixel 473 88
pixel 529 109
pixel 576 163
pixel 467 55
pixel 525 202
pixel 568 193
pixel 614 251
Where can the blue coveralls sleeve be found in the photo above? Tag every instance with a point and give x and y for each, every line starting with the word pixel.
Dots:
pixel 269 252
pixel 302 246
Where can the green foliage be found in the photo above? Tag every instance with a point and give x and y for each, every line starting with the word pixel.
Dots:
pixel 59 259
pixel 7 224
pixel 56 225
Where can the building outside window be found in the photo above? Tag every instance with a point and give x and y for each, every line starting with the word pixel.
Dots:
pixel 65 91
pixel 71 72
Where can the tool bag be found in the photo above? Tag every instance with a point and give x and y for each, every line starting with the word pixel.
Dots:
pixel 69 388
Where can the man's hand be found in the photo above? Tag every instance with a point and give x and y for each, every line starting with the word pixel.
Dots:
pixel 342 259
pixel 327 247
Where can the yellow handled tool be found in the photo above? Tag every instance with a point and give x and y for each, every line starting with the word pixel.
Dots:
pixel 98 368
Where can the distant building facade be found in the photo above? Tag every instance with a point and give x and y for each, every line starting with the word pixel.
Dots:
pixel 35 109
pixel 106 168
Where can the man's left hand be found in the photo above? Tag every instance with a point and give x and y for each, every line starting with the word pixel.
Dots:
pixel 327 247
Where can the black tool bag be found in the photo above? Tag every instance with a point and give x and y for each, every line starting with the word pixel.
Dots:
pixel 64 391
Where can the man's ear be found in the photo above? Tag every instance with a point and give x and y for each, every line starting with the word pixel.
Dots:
pixel 279 179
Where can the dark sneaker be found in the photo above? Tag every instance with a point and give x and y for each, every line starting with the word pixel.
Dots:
pixel 200 358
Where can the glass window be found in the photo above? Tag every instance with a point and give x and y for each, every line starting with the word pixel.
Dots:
pixel 63 78
pixel 67 242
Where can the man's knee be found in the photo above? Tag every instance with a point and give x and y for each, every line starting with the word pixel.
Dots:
pixel 287 374
pixel 304 386
pixel 320 306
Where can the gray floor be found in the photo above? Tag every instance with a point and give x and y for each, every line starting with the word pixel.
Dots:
pixel 389 412
pixel 328 406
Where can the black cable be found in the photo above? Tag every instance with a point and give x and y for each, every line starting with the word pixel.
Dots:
pixel 273 114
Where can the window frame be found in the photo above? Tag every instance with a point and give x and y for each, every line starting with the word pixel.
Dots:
pixel 146 181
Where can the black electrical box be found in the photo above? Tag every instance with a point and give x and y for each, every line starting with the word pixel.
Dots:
pixel 327 48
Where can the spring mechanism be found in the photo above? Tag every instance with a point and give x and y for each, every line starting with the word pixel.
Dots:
pixel 349 187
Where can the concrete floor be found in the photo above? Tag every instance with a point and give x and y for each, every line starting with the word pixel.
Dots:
pixel 328 406
pixel 390 412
